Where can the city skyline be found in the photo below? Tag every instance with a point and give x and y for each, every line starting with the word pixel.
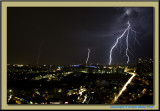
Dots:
pixel 80 84
pixel 63 35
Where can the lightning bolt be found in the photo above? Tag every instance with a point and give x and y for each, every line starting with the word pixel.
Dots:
pixel 135 40
pixel 39 52
pixel 126 32
pixel 88 56
pixel 127 45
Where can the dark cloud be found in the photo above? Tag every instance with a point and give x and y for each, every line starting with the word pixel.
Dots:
pixel 67 33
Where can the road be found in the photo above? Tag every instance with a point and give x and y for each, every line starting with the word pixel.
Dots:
pixel 124 87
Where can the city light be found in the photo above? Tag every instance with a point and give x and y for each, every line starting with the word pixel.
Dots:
pixel 124 87
pixel 93 78
pixel 76 65
pixel 89 55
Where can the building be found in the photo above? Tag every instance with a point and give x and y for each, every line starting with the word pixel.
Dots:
pixel 144 66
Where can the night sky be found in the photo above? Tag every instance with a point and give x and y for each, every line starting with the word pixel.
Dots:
pixel 62 35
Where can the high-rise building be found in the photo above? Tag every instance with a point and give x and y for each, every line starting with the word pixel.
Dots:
pixel 144 66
